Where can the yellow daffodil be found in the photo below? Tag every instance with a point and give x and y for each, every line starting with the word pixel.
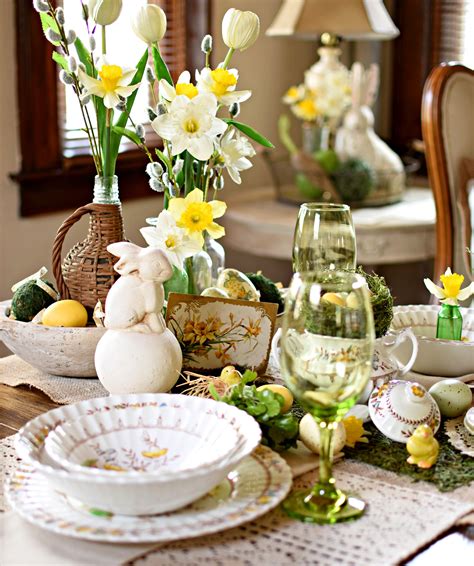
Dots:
pixel 354 431
pixel 197 216
pixel 221 83
pixel 451 293
pixel 113 82
pixel 294 94
pixel 183 87
pixel 306 109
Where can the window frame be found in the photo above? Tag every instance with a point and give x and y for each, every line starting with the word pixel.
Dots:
pixel 48 181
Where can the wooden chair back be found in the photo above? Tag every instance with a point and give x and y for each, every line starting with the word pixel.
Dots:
pixel 447 117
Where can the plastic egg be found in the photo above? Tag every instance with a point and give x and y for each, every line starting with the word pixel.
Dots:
pixel 309 434
pixel 237 285
pixel 334 298
pixel 215 292
pixel 452 396
pixel 281 390
pixel 65 313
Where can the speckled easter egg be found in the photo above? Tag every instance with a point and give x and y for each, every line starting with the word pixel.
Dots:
pixel 237 285
pixel 452 396
pixel 309 434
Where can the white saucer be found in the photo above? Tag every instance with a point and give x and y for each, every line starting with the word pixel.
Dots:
pixel 257 485
pixel 429 380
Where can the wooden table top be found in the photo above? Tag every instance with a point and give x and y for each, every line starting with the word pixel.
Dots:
pixel 20 404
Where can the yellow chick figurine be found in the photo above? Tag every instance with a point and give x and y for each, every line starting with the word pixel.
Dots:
pixel 423 447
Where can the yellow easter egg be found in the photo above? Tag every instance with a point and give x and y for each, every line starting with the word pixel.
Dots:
pixel 65 313
pixel 283 391
pixel 334 298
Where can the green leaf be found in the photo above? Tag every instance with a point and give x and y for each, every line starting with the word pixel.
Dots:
pixel 250 132
pixel 60 60
pixel 161 68
pixel 85 58
pixel 47 22
pixel 127 133
pixel 123 118
pixel 166 162
pixel 188 173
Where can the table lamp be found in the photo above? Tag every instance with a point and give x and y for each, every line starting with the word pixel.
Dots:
pixel 331 21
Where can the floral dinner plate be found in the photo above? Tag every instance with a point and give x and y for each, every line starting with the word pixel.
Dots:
pixel 257 485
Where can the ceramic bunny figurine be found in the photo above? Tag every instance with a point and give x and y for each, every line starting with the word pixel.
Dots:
pixel 137 354
pixel 356 138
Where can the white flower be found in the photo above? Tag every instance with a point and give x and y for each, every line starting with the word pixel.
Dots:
pixel 221 83
pixel 149 23
pixel 451 293
pixel 294 94
pixel 240 29
pixel 114 82
pixel 330 90
pixel 191 125
pixel 183 87
pixel 235 149
pixel 104 12
pixel 174 241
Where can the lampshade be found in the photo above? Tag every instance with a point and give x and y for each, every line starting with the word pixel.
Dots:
pixel 350 19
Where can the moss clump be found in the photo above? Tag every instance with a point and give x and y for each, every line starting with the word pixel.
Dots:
pixel 354 180
pixel 269 292
pixel 29 299
pixel 382 302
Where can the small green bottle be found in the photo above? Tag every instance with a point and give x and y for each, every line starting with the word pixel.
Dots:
pixel 449 325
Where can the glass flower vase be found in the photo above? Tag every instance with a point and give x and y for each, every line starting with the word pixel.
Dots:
pixel 199 269
pixel 315 137
pixel 449 325
pixel 217 254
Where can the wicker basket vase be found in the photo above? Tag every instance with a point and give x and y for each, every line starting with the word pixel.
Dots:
pixel 87 272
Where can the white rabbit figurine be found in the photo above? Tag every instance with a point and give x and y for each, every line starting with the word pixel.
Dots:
pixel 137 354
pixel 356 138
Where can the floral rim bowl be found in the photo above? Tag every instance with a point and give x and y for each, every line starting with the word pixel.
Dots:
pixel 450 358
pixel 139 493
pixel 156 440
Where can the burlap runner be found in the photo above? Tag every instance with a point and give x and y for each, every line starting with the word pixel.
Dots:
pixel 64 390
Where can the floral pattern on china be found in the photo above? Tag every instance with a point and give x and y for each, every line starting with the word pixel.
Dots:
pixel 398 407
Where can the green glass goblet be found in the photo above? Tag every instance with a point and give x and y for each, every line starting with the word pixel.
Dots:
pixel 326 350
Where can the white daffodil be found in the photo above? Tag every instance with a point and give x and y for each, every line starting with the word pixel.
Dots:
pixel 235 149
pixel 191 124
pixel 183 87
pixel 174 241
pixel 294 94
pixel 451 292
pixel 221 83
pixel 114 82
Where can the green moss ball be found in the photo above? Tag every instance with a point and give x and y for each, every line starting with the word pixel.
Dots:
pixel 354 180
pixel 29 299
pixel 269 292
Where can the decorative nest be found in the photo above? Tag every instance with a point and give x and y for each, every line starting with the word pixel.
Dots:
pixel 382 302
pixel 197 385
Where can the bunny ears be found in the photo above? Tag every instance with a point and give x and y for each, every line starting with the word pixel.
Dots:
pixel 365 84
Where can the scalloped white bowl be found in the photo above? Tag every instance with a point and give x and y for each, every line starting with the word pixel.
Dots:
pixel 68 352
pixel 143 494
pixel 447 358
pixel 159 441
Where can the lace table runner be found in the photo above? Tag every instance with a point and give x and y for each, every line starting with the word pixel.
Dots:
pixel 14 371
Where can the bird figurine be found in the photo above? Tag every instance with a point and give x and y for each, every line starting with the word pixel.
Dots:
pixel 422 447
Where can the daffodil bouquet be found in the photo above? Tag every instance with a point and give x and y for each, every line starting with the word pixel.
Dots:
pixel 201 139
pixel 105 89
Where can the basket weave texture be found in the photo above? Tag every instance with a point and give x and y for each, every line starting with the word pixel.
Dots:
pixel 87 272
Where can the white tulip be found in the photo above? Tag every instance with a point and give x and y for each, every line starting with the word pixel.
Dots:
pixel 240 29
pixel 104 12
pixel 149 23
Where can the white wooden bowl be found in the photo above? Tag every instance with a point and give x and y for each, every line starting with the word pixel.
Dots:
pixel 68 352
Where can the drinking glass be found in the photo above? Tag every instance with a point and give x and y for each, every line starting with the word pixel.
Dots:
pixel 324 238
pixel 326 350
